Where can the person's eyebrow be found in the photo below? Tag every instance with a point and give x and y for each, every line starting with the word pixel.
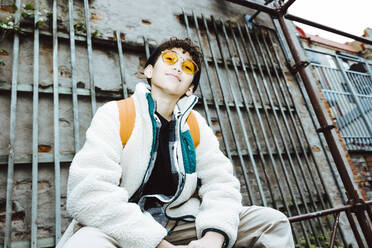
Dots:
pixel 183 52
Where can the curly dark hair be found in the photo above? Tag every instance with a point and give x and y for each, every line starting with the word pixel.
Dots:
pixel 188 46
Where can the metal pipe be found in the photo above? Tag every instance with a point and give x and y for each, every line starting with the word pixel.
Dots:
pixel 355 98
pixel 203 95
pixel 281 161
pixel 360 125
pixel 13 114
pixel 90 57
pixel 283 9
pixel 304 134
pixel 121 62
pixel 348 207
pixel 350 57
pixel 334 230
pixel 241 121
pixel 220 121
pixel 73 76
pixel 329 135
pixel 314 122
pixel 229 114
pixel 354 229
pixel 294 123
pixel 245 102
pixel 254 131
pixel 256 6
pixel 276 13
pixel 278 126
pixel 258 11
pixel 341 98
pixel 286 124
pixel 326 28
pixel 254 102
pixel 35 130
pixel 299 136
pixel 56 126
pixel 147 48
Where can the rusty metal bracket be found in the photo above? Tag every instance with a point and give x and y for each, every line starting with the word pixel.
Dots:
pixel 358 205
pixel 295 67
pixel 324 128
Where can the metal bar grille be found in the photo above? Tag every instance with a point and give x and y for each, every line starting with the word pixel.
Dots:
pixel 73 76
pixel 56 150
pixel 13 109
pixel 349 95
pixel 288 157
pixel 35 132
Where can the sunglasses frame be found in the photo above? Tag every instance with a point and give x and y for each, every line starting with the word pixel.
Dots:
pixel 192 61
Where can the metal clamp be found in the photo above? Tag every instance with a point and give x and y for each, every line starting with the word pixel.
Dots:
pixel 358 205
pixel 294 68
pixel 325 128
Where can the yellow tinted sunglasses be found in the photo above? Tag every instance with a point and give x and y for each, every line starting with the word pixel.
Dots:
pixel 170 58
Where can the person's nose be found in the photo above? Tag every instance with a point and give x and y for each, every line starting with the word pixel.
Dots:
pixel 177 67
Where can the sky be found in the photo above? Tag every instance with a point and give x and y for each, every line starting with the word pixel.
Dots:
pixel 351 16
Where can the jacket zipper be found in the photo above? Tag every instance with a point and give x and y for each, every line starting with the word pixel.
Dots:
pixel 138 192
pixel 184 175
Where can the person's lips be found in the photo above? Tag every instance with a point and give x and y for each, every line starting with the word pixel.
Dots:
pixel 174 75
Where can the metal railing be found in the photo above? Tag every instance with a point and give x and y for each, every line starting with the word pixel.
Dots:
pixel 349 95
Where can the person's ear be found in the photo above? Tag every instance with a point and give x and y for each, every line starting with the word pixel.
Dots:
pixel 148 71
pixel 190 90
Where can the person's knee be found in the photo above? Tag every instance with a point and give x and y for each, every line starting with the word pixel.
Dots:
pixel 274 217
pixel 278 216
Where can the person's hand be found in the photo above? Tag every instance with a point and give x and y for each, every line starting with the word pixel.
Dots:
pixel 209 240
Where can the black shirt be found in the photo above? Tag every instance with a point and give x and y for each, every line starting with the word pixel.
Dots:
pixel 161 180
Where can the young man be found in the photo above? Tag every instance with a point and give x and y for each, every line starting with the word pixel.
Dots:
pixel 141 195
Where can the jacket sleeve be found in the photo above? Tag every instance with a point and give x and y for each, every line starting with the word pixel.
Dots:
pixel 94 197
pixel 220 189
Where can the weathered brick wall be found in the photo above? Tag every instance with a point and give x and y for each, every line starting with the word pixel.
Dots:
pixel 363 172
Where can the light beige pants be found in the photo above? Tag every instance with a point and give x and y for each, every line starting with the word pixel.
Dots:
pixel 259 227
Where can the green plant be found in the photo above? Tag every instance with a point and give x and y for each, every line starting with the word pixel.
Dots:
pixel 28 16
pixel 324 241
pixel 96 34
pixel 6 25
pixel 80 27
pixel 13 6
pixel 29 6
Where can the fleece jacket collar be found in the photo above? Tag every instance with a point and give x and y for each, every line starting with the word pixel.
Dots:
pixel 183 106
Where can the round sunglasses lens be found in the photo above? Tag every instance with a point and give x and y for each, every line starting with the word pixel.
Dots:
pixel 188 67
pixel 170 58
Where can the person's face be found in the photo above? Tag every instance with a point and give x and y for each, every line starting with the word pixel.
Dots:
pixel 171 79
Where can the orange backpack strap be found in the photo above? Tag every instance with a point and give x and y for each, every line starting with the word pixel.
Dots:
pixel 127 116
pixel 194 129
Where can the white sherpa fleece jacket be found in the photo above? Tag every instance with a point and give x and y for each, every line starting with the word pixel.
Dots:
pixel 96 198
